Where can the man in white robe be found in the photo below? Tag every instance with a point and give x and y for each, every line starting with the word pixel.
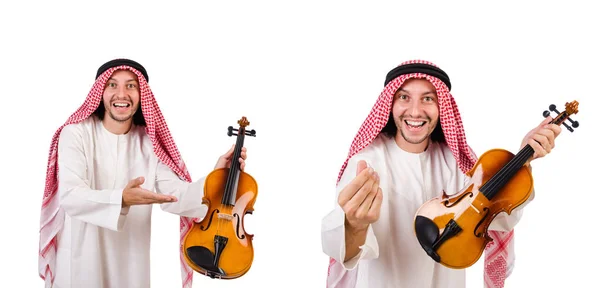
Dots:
pixel 109 163
pixel 410 148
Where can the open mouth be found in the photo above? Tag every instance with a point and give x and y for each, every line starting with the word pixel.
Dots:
pixel 414 124
pixel 121 105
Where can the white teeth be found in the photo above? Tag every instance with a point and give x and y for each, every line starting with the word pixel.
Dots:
pixel 121 105
pixel 415 123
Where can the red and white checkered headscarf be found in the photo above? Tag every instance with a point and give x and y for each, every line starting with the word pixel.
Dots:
pixel 498 254
pixel 52 215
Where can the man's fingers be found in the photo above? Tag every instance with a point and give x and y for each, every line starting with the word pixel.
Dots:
pixel 229 152
pixel 152 197
pixel 539 150
pixel 363 210
pixel 362 165
pixel 373 213
pixel 359 197
pixel 348 192
pixel 549 134
pixel 545 121
pixel 543 141
pixel 555 128
pixel 135 182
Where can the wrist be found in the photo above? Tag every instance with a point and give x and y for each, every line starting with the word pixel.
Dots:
pixel 124 204
pixel 354 229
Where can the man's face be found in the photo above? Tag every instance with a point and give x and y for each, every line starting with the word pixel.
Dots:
pixel 415 111
pixel 121 95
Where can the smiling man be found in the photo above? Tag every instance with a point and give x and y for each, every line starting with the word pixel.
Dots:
pixel 111 160
pixel 410 148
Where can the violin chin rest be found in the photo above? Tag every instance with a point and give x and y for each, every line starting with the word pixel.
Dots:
pixel 427 233
pixel 202 257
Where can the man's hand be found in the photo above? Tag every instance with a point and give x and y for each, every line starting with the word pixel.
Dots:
pixel 361 199
pixel 225 160
pixel 133 194
pixel 541 138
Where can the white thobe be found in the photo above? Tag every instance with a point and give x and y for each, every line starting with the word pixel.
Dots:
pixel 391 255
pixel 102 244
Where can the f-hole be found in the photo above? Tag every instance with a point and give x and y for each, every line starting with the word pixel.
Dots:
pixel 448 204
pixel 209 220
pixel 479 234
pixel 237 226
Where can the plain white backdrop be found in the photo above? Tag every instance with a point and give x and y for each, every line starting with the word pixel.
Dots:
pixel 306 74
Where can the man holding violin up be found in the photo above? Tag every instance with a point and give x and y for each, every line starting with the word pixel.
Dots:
pixel 104 165
pixel 410 148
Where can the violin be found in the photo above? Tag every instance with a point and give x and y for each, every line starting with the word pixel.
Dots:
pixel 219 246
pixel 453 229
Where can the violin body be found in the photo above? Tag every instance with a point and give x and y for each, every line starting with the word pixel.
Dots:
pixel 452 229
pixel 472 211
pixel 219 246
pixel 225 221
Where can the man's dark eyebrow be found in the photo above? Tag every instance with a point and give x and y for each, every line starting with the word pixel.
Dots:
pixel 429 92
pixel 132 79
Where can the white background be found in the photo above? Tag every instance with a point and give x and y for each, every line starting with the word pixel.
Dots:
pixel 306 74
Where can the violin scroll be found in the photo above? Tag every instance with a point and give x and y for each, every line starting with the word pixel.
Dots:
pixel 570 109
pixel 243 122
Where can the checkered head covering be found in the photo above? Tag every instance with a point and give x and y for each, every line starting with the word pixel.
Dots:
pixel 499 257
pixel 52 216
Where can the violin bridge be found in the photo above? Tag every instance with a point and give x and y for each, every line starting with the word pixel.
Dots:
pixel 227 217
pixel 473 206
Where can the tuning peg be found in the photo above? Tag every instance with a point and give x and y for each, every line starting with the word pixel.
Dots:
pixel 568 127
pixel 251 133
pixel 552 107
pixel 230 130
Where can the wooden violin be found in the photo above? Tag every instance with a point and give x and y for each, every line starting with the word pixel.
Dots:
pixel 219 246
pixel 453 229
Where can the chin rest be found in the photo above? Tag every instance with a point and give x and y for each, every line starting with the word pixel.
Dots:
pixel 202 257
pixel 427 233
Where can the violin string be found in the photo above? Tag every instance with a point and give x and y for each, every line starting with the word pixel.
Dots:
pixel 228 193
pixel 507 171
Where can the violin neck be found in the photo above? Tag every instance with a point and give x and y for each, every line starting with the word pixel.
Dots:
pixel 234 171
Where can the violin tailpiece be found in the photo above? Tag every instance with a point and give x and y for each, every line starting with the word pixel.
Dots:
pixel 428 235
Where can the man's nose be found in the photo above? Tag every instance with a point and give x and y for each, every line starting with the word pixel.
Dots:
pixel 415 108
pixel 121 91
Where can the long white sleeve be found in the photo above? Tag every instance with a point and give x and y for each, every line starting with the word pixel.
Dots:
pixel 333 228
pixel 189 195
pixel 79 201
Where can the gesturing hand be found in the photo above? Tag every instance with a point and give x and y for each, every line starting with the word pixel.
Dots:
pixel 133 194
pixel 361 199
pixel 225 160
